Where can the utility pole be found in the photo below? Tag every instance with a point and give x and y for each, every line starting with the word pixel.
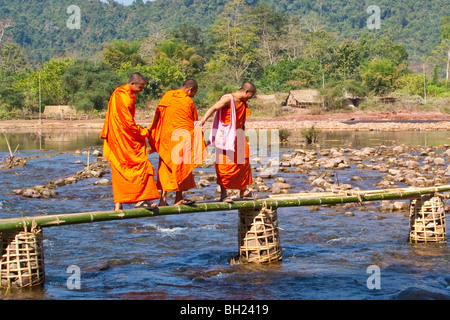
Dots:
pixel 40 120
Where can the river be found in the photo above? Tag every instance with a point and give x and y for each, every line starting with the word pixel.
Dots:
pixel 326 254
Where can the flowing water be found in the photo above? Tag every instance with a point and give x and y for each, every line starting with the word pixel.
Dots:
pixel 326 254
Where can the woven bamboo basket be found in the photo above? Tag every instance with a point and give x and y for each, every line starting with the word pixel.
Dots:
pixel 427 220
pixel 22 259
pixel 259 240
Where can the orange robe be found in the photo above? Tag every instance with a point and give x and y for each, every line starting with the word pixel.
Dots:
pixel 233 168
pixel 180 146
pixel 126 149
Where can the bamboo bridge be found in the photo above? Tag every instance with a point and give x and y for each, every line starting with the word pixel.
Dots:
pixel 21 238
pixel 275 201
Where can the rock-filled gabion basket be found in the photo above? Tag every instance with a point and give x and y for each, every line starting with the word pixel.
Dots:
pixel 259 240
pixel 427 220
pixel 22 259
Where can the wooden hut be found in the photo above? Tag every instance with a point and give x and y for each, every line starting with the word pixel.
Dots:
pixel 61 111
pixel 304 98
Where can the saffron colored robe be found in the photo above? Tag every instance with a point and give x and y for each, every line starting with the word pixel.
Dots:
pixel 233 168
pixel 125 147
pixel 180 146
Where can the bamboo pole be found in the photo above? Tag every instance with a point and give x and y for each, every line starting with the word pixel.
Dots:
pixel 287 201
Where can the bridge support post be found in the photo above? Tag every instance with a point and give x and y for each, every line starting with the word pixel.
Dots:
pixel 427 220
pixel 22 258
pixel 258 236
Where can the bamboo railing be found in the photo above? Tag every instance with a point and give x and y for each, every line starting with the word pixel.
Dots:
pixel 276 201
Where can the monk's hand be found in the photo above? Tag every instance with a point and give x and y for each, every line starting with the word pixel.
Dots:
pixel 198 124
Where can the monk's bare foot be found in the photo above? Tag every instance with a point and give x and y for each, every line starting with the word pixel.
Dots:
pixel 146 205
pixel 247 194
pixel 185 202
pixel 226 199
pixel 117 206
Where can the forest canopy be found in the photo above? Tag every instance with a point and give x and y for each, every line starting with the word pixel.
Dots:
pixel 78 51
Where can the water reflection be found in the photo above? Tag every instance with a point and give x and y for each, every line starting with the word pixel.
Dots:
pixel 71 140
pixel 51 140
pixel 361 139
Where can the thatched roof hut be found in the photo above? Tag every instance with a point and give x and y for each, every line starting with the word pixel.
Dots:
pixel 304 98
pixel 59 110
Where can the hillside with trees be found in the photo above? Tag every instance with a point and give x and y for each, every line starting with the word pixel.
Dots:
pixel 280 45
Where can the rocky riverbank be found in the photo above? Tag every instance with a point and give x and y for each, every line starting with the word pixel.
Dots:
pixel 302 170
pixel 381 121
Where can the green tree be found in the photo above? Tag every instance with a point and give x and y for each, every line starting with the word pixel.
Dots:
pixel 186 57
pixel 445 37
pixel 320 45
pixel 12 58
pixel 235 40
pixel 122 52
pixel 269 25
pixel 382 47
pixel 89 85
pixel 13 67
pixel 48 79
pixel 380 75
pixel 346 59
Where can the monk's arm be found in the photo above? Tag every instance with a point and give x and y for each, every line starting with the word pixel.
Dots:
pixel 128 122
pixel 222 103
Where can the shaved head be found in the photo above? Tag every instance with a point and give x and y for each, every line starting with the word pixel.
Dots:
pixel 136 78
pixel 190 83
pixel 248 86
pixel 190 86
pixel 136 83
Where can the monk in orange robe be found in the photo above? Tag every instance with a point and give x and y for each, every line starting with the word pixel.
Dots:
pixel 126 149
pixel 233 168
pixel 179 144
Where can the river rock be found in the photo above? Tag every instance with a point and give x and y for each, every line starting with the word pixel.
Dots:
pixel 439 161
pixel 285 164
pixel 276 190
pixel 211 177
pixel 281 185
pixel 320 182
pixel 412 164
pixel 45 193
pixel 203 183
pixel 31 193
pixel 70 180
pixel 198 198
pixel 446 153
pixel 386 206
pixel 267 173
pixel 102 182
pixel 96 153
pixel 400 206
pixel 59 182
